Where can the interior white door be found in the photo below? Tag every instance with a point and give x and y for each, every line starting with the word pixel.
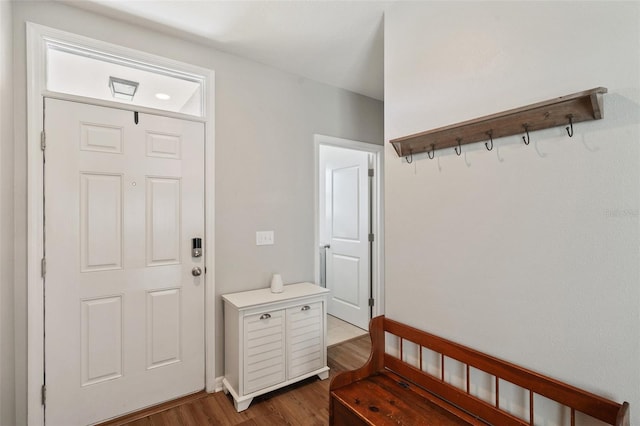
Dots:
pixel 124 315
pixel 344 207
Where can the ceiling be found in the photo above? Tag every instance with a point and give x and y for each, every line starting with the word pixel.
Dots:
pixel 339 43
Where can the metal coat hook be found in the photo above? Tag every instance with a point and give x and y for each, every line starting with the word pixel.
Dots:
pixel 409 156
pixel 526 129
pixel 490 133
pixel 432 153
pixel 458 149
pixel 570 133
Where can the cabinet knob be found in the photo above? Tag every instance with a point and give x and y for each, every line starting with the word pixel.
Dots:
pixel 265 316
pixel 305 308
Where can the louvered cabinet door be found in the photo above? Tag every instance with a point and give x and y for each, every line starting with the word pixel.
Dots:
pixel 264 360
pixel 305 339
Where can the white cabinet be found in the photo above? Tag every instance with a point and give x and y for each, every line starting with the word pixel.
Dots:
pixel 273 339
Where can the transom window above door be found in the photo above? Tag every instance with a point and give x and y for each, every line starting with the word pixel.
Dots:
pixel 83 72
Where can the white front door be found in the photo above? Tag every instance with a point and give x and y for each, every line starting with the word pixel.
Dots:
pixel 344 207
pixel 124 315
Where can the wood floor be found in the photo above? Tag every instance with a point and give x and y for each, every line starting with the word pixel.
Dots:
pixel 306 403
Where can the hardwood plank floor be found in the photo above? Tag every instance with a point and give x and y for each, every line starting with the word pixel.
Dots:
pixel 305 403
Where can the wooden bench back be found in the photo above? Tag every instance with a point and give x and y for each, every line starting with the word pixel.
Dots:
pixel 577 400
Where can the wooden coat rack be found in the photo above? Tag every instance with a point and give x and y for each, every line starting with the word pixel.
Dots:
pixel 562 111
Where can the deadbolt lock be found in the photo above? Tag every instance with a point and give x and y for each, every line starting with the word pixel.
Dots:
pixel 196 247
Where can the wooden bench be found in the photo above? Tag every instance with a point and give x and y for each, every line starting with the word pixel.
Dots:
pixel 428 380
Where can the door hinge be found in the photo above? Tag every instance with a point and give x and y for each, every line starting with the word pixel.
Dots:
pixel 370 172
pixel 43 267
pixel 371 301
pixel 43 140
pixel 370 238
pixel 43 394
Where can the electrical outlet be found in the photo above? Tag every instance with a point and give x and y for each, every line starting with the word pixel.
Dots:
pixel 264 238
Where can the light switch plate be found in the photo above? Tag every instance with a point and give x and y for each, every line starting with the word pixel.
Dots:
pixel 264 238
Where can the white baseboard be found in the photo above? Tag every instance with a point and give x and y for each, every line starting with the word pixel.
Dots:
pixel 218 384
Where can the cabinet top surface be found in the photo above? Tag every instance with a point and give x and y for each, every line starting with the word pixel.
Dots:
pixel 246 299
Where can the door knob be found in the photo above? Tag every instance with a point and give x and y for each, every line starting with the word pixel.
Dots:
pixel 196 271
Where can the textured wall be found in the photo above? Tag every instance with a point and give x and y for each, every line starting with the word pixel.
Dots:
pixel 530 252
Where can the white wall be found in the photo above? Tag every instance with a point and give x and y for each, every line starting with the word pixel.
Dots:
pixel 7 400
pixel 530 253
pixel 265 121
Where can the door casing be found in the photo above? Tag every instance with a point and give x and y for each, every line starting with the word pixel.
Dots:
pixel 377 275
pixel 36 92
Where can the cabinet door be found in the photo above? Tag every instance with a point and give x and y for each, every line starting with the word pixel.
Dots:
pixel 305 334
pixel 264 357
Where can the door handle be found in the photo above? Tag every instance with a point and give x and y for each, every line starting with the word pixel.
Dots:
pixel 196 271
pixel 323 264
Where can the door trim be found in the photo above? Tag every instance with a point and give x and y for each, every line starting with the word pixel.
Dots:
pixel 36 91
pixel 378 210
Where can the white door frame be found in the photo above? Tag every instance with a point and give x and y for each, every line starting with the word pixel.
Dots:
pixel 37 35
pixel 378 211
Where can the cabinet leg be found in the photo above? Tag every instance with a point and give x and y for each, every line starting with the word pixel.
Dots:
pixel 242 405
pixel 324 375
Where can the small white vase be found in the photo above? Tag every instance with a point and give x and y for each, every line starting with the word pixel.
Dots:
pixel 276 284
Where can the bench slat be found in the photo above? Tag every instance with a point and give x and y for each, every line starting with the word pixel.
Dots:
pixel 452 394
pixel 383 401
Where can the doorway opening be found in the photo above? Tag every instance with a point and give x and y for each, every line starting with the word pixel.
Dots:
pixel 349 228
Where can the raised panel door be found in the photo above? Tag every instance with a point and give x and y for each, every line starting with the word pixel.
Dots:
pixel 124 317
pixel 345 200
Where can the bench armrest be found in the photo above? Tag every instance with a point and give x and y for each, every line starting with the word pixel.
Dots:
pixel 623 415
pixel 375 362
